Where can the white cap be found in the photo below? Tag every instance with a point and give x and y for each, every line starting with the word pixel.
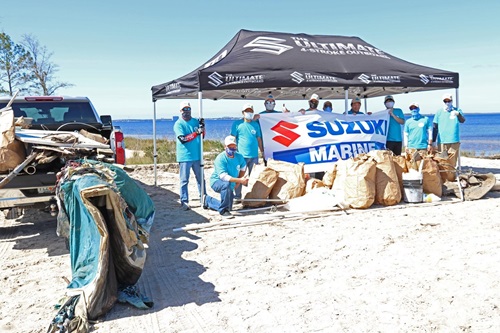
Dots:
pixel 414 104
pixel 247 106
pixel 270 97
pixel 447 96
pixel 314 96
pixel 229 140
pixel 184 104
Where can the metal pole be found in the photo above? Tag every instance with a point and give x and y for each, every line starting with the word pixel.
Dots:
pixel 202 159
pixel 459 163
pixel 346 99
pixel 154 139
pixel 366 107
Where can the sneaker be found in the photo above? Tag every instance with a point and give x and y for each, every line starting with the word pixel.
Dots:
pixel 204 201
pixel 227 215
pixel 185 206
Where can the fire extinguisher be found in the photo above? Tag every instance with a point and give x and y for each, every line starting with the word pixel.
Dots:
pixel 119 146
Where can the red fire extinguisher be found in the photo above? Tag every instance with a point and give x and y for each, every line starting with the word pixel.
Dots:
pixel 119 146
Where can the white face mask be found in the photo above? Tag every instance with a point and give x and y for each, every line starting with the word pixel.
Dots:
pixel 270 106
pixel 248 115
pixel 389 105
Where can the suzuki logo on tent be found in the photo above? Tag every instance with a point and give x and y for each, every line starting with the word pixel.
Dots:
pixel 215 79
pixel 297 77
pixel 424 79
pixel 287 136
pixel 365 78
pixel 269 45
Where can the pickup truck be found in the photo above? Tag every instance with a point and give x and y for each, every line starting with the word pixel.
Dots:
pixel 34 185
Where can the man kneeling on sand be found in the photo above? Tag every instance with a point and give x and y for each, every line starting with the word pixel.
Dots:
pixel 229 172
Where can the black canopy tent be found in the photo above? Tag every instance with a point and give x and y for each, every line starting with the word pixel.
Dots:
pixel 289 66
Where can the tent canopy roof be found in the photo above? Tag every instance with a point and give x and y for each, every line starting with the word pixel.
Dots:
pixel 289 66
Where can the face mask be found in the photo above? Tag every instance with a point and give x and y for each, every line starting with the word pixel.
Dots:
pixel 313 105
pixel 389 105
pixel 328 109
pixel 248 115
pixel 270 106
pixel 230 151
pixel 449 105
pixel 186 115
pixel 415 113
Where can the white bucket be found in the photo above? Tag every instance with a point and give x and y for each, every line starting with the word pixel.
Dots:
pixel 413 191
pixel 412 186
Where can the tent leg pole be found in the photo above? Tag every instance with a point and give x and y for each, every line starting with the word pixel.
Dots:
pixel 346 98
pixel 154 140
pixel 202 159
pixel 366 106
pixel 459 163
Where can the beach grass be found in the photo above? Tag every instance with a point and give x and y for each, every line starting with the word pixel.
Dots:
pixel 165 149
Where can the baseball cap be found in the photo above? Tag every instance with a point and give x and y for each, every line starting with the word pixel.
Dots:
pixel 229 140
pixel 414 104
pixel 388 97
pixel 247 106
pixel 314 96
pixel 184 104
pixel 447 96
pixel 356 100
pixel 270 97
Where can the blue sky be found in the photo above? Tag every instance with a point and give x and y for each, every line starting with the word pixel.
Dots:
pixel 115 51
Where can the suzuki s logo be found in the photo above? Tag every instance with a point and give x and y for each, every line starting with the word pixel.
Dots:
pixel 215 79
pixel 287 136
pixel 365 78
pixel 297 77
pixel 424 79
pixel 268 45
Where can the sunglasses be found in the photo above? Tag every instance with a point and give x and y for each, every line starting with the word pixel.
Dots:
pixel 446 100
pixel 413 108
pixel 186 109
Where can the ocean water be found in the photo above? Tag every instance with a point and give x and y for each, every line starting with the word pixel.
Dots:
pixel 480 133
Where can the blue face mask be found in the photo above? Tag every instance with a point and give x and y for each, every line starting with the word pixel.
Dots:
pixel 328 109
pixel 449 106
pixel 415 113
pixel 230 151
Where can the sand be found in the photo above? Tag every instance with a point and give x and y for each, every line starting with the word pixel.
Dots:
pixel 407 268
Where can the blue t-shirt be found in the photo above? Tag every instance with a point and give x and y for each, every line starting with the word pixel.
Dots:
pixel 351 112
pixel 418 132
pixel 394 132
pixel 246 134
pixel 273 111
pixel 189 151
pixel 448 126
pixel 225 164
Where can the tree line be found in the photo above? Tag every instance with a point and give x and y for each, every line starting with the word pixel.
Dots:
pixel 27 67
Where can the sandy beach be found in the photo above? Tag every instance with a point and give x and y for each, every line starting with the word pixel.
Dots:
pixel 430 267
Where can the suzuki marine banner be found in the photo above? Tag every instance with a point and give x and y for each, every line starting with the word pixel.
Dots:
pixel 320 139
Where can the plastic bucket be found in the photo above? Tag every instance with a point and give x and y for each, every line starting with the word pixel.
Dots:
pixel 413 190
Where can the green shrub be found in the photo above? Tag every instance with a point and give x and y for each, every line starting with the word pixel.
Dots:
pixel 165 150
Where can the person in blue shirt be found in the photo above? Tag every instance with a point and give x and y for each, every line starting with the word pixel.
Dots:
pixel 188 132
pixel 418 131
pixel 355 106
pixel 446 127
pixel 229 173
pixel 394 139
pixel 249 140
pixel 313 104
pixel 328 106
pixel 270 105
